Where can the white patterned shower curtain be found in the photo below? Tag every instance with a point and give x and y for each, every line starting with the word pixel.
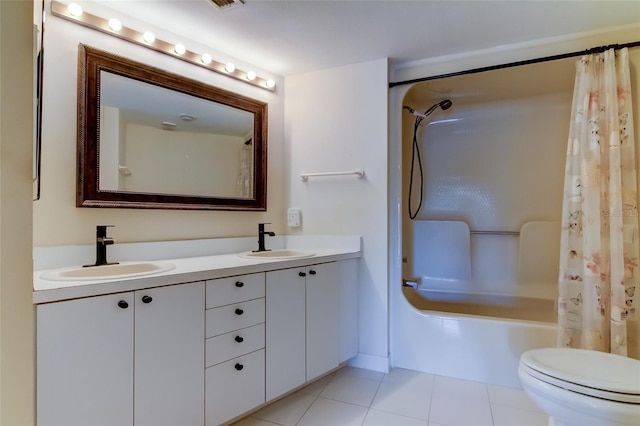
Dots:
pixel 599 243
pixel 245 174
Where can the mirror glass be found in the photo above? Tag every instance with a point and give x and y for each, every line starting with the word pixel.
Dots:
pixel 158 140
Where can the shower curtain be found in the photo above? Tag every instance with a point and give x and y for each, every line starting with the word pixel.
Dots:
pixel 599 242
pixel 243 183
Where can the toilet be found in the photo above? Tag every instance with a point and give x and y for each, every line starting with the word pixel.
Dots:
pixel 579 387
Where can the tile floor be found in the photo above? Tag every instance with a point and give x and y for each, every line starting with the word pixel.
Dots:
pixel 353 396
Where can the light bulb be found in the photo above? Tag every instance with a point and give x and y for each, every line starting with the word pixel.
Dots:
pixel 251 75
pixel 149 37
pixel 180 49
pixel 74 9
pixel 230 67
pixel 115 24
pixel 271 84
pixel 206 59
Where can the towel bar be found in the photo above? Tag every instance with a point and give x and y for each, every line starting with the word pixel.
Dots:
pixel 516 233
pixel 306 176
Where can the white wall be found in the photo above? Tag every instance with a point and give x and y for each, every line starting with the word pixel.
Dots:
pixel 336 120
pixel 17 352
pixel 57 221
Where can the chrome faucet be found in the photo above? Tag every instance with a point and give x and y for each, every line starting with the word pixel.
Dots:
pixel 102 241
pixel 261 234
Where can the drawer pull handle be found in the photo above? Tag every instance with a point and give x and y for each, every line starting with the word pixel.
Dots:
pixel 239 284
pixel 147 299
pixel 239 339
pixel 239 311
pixel 123 304
pixel 302 274
pixel 239 366
pixel 312 272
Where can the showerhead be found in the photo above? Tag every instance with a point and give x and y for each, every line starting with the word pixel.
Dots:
pixel 444 105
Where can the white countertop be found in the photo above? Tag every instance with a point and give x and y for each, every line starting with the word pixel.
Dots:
pixel 186 270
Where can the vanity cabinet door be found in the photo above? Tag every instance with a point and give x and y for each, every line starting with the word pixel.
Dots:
pixel 322 318
pixel 285 331
pixel 169 355
pixel 85 361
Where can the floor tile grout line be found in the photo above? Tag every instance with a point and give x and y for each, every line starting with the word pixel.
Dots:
pixel 433 388
pixel 333 376
pixel 486 389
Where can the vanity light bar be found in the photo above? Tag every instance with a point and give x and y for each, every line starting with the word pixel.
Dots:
pixel 147 40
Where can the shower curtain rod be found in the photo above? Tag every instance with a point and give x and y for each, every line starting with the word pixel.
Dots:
pixel 598 49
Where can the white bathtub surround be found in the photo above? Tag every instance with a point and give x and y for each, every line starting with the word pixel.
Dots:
pixel 599 244
pixel 442 249
pixel 539 257
pixel 470 347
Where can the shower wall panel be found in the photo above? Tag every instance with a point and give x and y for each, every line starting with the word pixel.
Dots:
pixel 494 161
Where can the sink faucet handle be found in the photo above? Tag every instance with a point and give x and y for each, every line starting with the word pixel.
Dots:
pixel 101 230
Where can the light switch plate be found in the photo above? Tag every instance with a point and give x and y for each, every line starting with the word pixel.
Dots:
pixel 293 217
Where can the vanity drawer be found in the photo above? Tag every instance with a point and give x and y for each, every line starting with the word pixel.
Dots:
pixel 234 387
pixel 225 291
pixel 234 317
pixel 230 345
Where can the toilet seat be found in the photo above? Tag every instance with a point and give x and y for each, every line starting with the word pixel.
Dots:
pixel 597 374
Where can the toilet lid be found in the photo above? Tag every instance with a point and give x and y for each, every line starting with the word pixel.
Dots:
pixel 600 374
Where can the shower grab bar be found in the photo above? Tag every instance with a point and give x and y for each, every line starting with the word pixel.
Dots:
pixel 305 176
pixel 516 233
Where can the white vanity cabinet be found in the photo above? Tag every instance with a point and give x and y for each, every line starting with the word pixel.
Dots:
pixel 122 359
pixel 235 337
pixel 311 319
pixel 193 353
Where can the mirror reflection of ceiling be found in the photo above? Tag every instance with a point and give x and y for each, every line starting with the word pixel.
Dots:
pixel 188 113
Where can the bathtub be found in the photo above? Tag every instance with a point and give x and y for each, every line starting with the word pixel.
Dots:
pixel 491 197
pixel 469 336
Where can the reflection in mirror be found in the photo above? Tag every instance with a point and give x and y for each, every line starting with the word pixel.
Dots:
pixel 163 141
pixel 206 147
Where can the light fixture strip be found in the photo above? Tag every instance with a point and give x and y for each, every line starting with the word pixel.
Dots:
pixel 94 22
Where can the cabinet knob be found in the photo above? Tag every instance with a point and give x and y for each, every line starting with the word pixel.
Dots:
pixel 123 304
pixel 312 272
pixel 239 311
pixel 239 366
pixel 146 299
pixel 239 284
pixel 302 274
pixel 239 339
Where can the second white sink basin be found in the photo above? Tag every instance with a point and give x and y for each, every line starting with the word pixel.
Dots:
pixel 276 254
pixel 106 272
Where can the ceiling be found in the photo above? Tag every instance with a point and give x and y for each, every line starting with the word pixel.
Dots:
pixel 288 37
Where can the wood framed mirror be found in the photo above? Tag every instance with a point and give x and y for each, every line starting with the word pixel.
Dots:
pixel 148 138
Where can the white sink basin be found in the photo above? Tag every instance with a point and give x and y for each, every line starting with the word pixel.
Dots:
pixel 276 254
pixel 106 272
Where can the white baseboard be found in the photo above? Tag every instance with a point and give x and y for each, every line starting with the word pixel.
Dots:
pixel 370 362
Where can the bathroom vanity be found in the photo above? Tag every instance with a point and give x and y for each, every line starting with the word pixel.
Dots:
pixel 201 344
